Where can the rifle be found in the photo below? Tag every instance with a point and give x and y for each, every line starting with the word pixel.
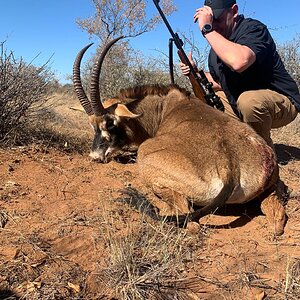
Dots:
pixel 201 86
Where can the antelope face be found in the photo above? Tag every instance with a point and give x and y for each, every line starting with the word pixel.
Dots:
pixel 109 137
pixel 112 135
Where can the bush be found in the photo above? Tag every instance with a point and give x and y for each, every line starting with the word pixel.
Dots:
pixel 23 90
pixel 290 54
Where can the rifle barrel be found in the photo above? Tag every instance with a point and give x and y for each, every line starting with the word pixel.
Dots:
pixel 203 84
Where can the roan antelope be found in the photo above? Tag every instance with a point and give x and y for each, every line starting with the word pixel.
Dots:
pixel 189 154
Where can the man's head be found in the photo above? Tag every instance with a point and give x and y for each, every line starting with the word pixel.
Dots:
pixel 225 13
pixel 218 6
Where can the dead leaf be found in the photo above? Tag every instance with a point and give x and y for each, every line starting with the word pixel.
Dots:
pixel 29 286
pixel 260 295
pixel 74 287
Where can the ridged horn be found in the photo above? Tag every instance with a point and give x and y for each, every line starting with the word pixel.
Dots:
pixel 81 95
pixel 95 77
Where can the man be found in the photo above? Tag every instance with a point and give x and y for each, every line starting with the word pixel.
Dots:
pixel 245 68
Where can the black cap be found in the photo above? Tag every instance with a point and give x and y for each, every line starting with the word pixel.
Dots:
pixel 218 6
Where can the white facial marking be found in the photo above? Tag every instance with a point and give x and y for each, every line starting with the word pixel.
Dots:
pixel 116 120
pixel 96 155
pixel 105 135
pixel 108 151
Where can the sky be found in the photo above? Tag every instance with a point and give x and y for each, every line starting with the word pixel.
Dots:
pixel 42 29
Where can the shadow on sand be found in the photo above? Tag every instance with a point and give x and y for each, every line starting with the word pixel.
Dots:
pixel 286 153
pixel 245 213
pixel 8 295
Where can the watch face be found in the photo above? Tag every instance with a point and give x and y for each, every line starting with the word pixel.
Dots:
pixel 207 27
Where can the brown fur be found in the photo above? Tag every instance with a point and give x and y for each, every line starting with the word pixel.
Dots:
pixel 142 91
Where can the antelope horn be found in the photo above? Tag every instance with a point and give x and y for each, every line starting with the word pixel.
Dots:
pixel 95 77
pixel 81 95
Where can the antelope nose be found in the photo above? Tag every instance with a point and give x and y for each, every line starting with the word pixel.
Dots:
pixel 97 156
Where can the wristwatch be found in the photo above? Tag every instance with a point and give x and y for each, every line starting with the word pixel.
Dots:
pixel 206 29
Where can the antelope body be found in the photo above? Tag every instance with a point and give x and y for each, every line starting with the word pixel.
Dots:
pixel 188 153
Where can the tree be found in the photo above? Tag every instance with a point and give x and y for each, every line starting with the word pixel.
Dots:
pixel 119 17
pixel 123 66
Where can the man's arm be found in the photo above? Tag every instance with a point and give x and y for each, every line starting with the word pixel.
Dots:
pixel 237 57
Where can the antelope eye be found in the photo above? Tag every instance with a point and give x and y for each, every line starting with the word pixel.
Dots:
pixel 109 124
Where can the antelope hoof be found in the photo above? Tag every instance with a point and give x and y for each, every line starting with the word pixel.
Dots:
pixel 193 227
pixel 275 214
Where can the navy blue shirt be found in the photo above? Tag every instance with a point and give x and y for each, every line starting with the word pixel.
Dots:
pixel 267 72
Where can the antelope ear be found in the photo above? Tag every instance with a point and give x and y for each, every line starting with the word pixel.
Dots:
pixel 110 102
pixel 123 112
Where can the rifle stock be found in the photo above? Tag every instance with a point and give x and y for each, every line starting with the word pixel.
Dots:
pixel 197 88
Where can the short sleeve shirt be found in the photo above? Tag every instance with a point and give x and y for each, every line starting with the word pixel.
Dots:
pixel 267 72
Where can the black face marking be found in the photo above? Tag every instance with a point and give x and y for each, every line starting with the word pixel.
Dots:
pixel 109 137
pixel 116 132
pixel 99 142
pixel 109 122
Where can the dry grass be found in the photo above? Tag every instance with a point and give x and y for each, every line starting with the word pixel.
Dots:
pixel 55 126
pixel 287 134
pixel 147 260
pixel 3 218
pixel 292 282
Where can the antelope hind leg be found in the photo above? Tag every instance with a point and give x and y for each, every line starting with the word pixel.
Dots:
pixel 273 208
pixel 170 202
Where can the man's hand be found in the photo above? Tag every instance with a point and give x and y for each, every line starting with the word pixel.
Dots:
pixel 185 69
pixel 203 15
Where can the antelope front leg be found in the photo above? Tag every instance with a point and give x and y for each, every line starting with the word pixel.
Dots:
pixel 273 208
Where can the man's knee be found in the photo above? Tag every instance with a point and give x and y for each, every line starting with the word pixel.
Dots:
pixel 253 107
